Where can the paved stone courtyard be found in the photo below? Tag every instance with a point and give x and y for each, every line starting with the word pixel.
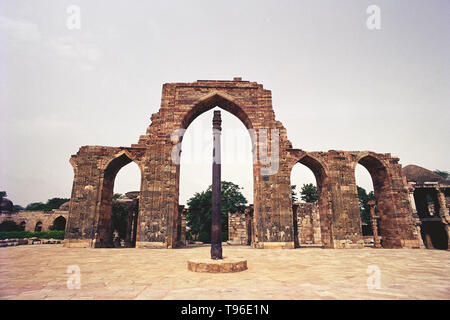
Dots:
pixel 40 272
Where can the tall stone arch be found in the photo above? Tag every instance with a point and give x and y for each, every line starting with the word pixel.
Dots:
pixel 397 226
pixel 320 171
pixel 181 103
pixel 95 168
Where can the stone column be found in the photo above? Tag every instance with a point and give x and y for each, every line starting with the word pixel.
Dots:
pixel 376 238
pixel 183 227
pixel 129 234
pixel 444 212
pixel 415 216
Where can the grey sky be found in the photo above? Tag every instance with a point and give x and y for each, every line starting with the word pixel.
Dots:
pixel 335 83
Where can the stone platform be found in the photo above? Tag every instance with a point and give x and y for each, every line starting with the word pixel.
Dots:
pixel 42 272
pixel 226 265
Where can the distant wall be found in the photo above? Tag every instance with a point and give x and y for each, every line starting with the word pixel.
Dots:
pixel 238 231
pixel 308 223
pixel 31 218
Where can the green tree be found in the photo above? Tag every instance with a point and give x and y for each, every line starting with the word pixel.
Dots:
pixel 309 193
pixel 53 203
pixel 36 206
pixel 119 216
pixel 293 193
pixel 17 208
pixel 364 208
pixel 198 216
pixel 443 174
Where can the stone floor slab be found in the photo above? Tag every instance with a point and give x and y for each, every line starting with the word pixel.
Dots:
pixel 41 272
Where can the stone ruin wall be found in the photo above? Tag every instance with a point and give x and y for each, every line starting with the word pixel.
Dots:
pixel 238 232
pixel 95 168
pixel 338 198
pixel 308 226
pixel 308 223
pixel 31 218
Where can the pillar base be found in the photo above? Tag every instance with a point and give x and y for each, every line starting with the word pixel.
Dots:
pixel 225 265
pixel 348 244
pixel 150 245
pixel 412 244
pixel 274 245
pixel 77 243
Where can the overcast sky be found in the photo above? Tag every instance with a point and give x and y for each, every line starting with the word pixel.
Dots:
pixel 335 83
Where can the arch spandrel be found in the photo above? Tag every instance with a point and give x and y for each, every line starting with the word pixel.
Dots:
pixel 211 100
pixel 181 103
pixel 124 156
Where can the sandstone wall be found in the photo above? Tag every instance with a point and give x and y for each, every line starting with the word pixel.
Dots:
pixel 238 232
pixel 31 218
pixel 157 155
pixel 308 223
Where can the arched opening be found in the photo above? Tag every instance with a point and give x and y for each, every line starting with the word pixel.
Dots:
pixel 118 214
pixel 195 170
pixel 59 224
pixel 310 212
pixel 38 227
pixel 305 207
pixel 366 194
pixel 212 101
pixel 384 211
pixel 432 229
pixel 23 224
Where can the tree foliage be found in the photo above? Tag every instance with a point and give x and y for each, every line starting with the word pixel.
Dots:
pixel 443 174
pixel 198 215
pixel 119 217
pixel 294 193
pixel 17 208
pixel 364 208
pixel 36 206
pixel 308 193
pixel 59 234
pixel 51 204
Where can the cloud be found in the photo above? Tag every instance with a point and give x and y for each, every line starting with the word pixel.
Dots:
pixel 14 32
pixel 71 48
pixel 19 30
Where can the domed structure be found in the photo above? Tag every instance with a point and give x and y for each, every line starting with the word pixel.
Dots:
pixel 6 206
pixel 421 175
pixel 64 206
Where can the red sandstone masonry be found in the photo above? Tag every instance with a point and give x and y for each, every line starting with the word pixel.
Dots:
pixel 95 168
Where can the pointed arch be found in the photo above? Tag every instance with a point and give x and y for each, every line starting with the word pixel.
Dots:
pixel 205 103
pixel 59 223
pixel 382 186
pixel 38 227
pixel 211 100
pixel 378 171
pixel 110 169
pixel 319 170
pixel 119 160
